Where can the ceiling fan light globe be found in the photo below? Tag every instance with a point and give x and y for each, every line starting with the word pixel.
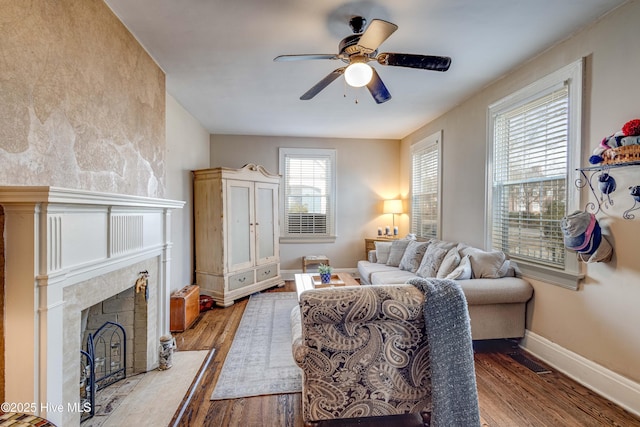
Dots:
pixel 358 74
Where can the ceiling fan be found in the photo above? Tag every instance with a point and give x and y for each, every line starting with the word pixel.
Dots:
pixel 360 48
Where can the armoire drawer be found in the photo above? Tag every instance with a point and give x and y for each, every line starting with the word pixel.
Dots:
pixel 240 280
pixel 266 272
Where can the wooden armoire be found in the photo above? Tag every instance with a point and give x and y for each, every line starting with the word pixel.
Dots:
pixel 237 233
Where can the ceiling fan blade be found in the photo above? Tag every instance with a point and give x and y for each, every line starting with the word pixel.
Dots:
pixel 322 84
pixel 375 34
pixel 378 89
pixel 303 57
pixel 424 62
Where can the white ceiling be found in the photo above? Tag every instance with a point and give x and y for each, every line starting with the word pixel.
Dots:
pixel 218 57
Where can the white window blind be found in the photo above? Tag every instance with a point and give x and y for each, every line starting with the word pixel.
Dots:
pixel 535 150
pixel 530 150
pixel 425 187
pixel 308 194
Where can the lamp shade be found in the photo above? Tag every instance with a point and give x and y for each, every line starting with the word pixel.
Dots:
pixel 392 206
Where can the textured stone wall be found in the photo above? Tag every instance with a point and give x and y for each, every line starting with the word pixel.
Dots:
pixel 82 105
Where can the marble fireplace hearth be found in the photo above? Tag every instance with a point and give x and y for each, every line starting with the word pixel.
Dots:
pixel 65 251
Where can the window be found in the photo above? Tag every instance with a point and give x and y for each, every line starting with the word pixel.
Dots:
pixel 535 146
pixel 308 202
pixel 425 187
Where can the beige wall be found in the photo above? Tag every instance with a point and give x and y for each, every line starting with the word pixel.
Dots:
pixel 367 173
pixel 187 149
pixel 81 104
pixel 600 321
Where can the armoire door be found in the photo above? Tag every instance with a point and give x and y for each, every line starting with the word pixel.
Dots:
pixel 240 238
pixel 267 230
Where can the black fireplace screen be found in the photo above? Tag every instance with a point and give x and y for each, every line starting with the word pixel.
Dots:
pixel 104 363
pixel 87 386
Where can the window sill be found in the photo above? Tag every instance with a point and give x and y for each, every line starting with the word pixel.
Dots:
pixel 308 239
pixel 555 277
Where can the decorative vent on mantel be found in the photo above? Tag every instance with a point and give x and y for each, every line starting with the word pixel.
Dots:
pixel 126 233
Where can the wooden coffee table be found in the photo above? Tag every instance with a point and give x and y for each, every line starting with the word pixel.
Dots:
pixel 306 281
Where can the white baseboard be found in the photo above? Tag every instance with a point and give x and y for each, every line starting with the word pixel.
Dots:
pixel 288 274
pixel 616 388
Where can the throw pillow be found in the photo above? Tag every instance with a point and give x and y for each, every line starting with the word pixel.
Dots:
pixel 431 261
pixel 442 243
pixel 462 271
pixel 513 270
pixel 488 265
pixel 413 256
pixel 462 247
pixel 449 263
pixel 382 251
pixel 397 251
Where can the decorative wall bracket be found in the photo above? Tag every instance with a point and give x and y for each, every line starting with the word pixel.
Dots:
pixel 604 185
pixel 635 193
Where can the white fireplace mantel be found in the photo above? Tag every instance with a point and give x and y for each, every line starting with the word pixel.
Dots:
pixel 56 238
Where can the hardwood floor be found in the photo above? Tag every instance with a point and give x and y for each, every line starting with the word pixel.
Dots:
pixel 510 394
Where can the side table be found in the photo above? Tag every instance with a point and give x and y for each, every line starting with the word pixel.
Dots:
pixel 313 260
pixel 305 281
pixel 370 244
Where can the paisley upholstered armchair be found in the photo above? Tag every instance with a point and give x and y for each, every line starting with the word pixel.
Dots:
pixel 362 352
pixel 368 351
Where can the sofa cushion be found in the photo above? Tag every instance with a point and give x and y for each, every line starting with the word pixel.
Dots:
pixel 397 251
pixel 382 251
pixel 449 263
pixel 431 261
pixel 366 269
pixel 462 271
pixel 394 277
pixel 413 256
pixel 507 290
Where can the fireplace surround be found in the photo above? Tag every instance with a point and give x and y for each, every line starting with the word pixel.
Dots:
pixel 66 250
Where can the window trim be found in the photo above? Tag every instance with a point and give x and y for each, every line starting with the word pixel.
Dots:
pixel 330 236
pixel 572 76
pixel 434 139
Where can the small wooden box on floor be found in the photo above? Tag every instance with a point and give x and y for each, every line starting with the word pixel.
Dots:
pixel 313 260
pixel 185 308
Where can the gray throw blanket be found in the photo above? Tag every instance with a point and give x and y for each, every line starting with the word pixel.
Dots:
pixel 453 380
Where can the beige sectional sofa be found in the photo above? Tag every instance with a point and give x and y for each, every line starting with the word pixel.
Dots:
pixel 496 295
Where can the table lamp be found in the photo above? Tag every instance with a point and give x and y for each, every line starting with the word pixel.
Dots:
pixel 393 207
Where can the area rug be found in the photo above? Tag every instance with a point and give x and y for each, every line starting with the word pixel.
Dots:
pixel 259 361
